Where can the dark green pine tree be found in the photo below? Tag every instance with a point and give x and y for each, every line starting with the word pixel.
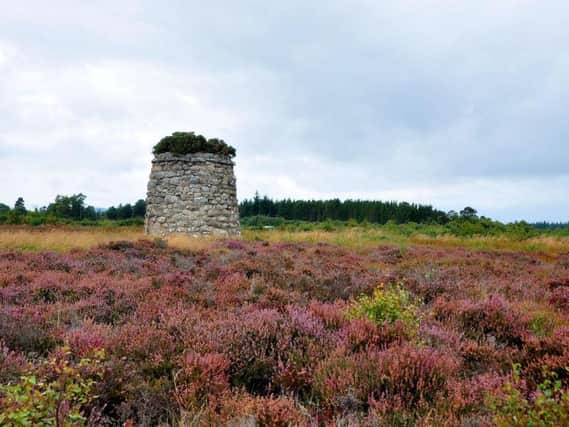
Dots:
pixel 20 207
pixel 139 208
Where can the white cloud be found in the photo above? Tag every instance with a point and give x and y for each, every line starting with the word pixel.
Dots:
pixel 436 101
pixel 91 126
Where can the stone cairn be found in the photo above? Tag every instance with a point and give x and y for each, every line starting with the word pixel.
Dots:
pixel 192 194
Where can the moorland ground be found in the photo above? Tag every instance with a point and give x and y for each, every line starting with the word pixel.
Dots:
pixel 351 327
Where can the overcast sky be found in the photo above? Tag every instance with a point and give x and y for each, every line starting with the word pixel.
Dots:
pixel 444 102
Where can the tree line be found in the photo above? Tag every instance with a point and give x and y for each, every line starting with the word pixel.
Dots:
pixel 372 211
pixel 69 208
pixel 261 211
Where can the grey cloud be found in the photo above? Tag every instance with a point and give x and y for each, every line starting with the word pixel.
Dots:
pixel 403 98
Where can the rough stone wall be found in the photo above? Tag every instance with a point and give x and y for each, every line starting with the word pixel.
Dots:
pixel 192 194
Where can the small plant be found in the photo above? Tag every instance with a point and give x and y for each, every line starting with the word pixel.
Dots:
pixel 55 394
pixel 548 406
pixel 386 305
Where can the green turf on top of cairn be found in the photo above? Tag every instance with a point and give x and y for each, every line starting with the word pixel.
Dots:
pixel 188 142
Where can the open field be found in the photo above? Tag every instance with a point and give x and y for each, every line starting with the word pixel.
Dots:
pixel 315 328
pixel 60 238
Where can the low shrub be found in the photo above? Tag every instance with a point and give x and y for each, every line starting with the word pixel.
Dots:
pixel 494 319
pixel 345 381
pixel 201 380
pixel 56 393
pixel 26 332
pixel 386 304
pixel 363 334
pixel 560 298
pixel 415 375
pixel 12 364
pixel 547 406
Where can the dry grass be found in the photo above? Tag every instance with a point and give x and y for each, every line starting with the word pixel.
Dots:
pixel 545 244
pixel 66 238
pixel 61 239
pixel 360 238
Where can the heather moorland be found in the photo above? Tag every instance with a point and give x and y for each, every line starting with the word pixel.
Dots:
pixel 273 332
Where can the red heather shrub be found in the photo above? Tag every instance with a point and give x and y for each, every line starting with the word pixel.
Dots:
pixel 548 352
pixel 26 330
pixel 344 382
pixel 415 375
pixel 441 338
pixel 493 319
pixel 559 282
pixel 470 395
pixel 145 343
pixel 332 314
pixel 239 409
pixel 250 341
pixel 52 286
pixel 126 391
pixel 364 335
pixel 111 305
pixel 12 364
pixel 231 289
pixel 277 412
pixel 482 357
pixel 402 375
pixel 303 342
pixel 429 282
pixel 560 298
pixel 87 337
pixel 302 322
pixel 201 380
pixel 269 350
pixel 235 245
pixel 177 278
pixel 275 298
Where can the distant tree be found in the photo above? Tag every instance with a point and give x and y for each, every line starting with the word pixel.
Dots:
pixel 78 206
pixel 68 207
pixel 257 204
pixel 112 213
pixel 20 207
pixel 469 213
pixel 358 210
pixel 139 208
pixel 4 212
pixel 90 213
pixel 60 208
pixel 125 212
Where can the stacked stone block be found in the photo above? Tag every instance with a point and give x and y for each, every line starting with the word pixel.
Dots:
pixel 192 194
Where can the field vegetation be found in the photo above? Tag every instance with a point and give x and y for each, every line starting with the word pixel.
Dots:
pixel 353 326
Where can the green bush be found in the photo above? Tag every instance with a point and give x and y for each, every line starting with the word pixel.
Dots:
pixel 548 407
pixel 386 305
pixel 130 222
pixel 55 396
pixel 188 142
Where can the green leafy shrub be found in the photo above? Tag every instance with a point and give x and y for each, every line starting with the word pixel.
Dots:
pixel 386 305
pixel 188 142
pixel 548 406
pixel 54 394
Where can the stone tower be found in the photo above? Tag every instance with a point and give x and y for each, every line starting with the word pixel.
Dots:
pixel 192 193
